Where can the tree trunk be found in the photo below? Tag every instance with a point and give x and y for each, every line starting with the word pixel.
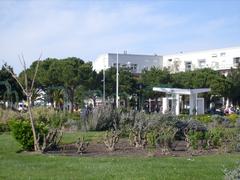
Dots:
pixel 36 143
pixel 71 95
pixel 94 101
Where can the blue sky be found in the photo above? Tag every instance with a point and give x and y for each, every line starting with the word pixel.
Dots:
pixel 85 29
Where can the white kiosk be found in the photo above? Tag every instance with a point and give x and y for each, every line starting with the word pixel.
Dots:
pixel 196 105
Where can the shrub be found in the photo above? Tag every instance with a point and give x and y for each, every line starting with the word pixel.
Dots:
pixel 4 127
pixel 204 118
pixel 139 130
pixel 152 138
pixel 22 131
pixel 111 139
pixel 232 174
pixel 193 139
pixel 48 125
pixel 230 140
pixel 220 120
pixel 81 145
pixel 237 124
pixel 106 118
pixel 165 136
pixel 233 117
pixel 7 115
pixel 214 137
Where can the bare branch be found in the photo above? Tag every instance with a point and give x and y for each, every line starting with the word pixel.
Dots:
pixel 36 70
pixel 25 74
pixel 20 60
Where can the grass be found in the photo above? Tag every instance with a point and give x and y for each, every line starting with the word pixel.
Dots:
pixel 36 166
pixel 69 137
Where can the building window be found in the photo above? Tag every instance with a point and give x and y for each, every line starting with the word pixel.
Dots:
pixel 115 65
pixel 170 60
pixel 214 55
pixel 131 67
pixel 236 61
pixel 215 65
pixel 188 66
pixel 222 54
pixel 201 63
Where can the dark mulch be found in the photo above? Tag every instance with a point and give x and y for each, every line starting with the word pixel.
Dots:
pixel 123 148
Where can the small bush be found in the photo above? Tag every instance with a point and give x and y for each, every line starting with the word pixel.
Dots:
pixel 233 174
pixel 7 115
pixel 230 140
pixel 233 117
pixel 194 138
pixel 237 124
pixel 81 145
pixel 166 136
pixel 152 138
pixel 214 137
pixel 204 118
pixel 111 139
pixel 48 125
pixel 139 130
pixel 220 120
pixel 22 131
pixel 106 118
pixel 4 127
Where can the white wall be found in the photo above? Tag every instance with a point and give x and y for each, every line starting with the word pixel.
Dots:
pixel 101 62
pixel 142 61
pixel 217 59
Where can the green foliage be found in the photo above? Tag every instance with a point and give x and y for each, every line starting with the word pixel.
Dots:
pixel 127 82
pixel 218 120
pixel 154 77
pixel 225 139
pixel 203 78
pixel 166 136
pixel 68 74
pixel 231 140
pixel 50 118
pixel 33 166
pixel 22 132
pixel 7 114
pixel 4 127
pixel 234 79
pixel 194 137
pixel 107 118
pixel 9 88
pixel 47 125
pixel 233 117
pixel 204 118
pixel 152 138
pixel 214 137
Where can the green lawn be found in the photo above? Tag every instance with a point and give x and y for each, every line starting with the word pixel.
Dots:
pixel 89 136
pixel 32 166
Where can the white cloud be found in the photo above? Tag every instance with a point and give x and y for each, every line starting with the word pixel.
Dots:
pixel 82 29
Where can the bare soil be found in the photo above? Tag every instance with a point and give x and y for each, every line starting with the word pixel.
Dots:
pixel 123 148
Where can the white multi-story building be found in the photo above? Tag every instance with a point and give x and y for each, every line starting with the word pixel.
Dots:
pixel 217 59
pixel 136 63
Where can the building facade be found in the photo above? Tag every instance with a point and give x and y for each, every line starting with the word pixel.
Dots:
pixel 135 63
pixel 217 59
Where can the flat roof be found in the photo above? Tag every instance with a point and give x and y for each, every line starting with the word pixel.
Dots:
pixel 181 91
pixel 202 51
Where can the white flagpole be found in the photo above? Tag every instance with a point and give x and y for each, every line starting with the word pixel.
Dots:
pixel 117 84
